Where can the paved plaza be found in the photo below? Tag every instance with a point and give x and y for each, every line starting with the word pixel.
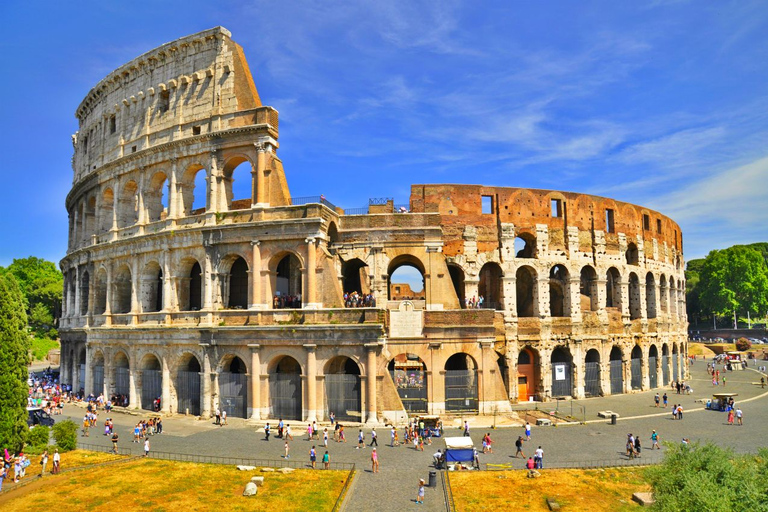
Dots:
pixel 401 467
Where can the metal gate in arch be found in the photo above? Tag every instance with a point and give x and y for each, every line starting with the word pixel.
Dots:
pixel 285 395
pixel 592 378
pixel 188 392
pixel 461 390
pixel 233 392
pixel 98 380
pixel 122 381
pixel 637 375
pixel 675 371
pixel 665 370
pixel 617 377
pixel 343 396
pixel 412 387
pixel 652 374
pixel 151 387
pixel 562 379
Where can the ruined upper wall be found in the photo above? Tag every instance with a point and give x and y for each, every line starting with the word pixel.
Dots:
pixel 191 86
pixel 462 205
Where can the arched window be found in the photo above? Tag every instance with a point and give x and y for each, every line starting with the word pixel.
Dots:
pixel 156 197
pixel 152 288
pixel 588 289
pixel 526 292
pixel 525 246
pixel 650 296
pixel 457 279
pixel 194 185
pixel 406 279
pixel 490 286
pixel 238 184
pixel 238 285
pixel 632 255
pixel 558 288
pixel 106 209
pixel 128 213
pixel 612 288
pixel 122 291
pixel 288 283
pixel 634 297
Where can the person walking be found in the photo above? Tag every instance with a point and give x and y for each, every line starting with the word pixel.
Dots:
pixel 44 462
pixel 393 435
pixel 657 399
pixel 730 417
pixel 420 495
pixel 313 456
pixel 466 428
pixel 655 441
pixel 527 431
pixel 326 460
pixel 146 447
pixel 360 439
pixel 538 458
pixel 223 417
pixel 665 399
pixel 115 438
pixel 638 448
pixel 680 411
pixel 325 437
pixel 374 461
pixel 739 416
pixel 286 448
pixel 519 446
pixel 288 436
pixel 266 432
pixel 56 462
pixel 374 437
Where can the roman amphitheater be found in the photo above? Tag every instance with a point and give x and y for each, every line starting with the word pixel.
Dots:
pixel 178 290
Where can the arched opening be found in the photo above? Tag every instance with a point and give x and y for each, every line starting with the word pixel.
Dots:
pixel 653 357
pixel 633 258
pixel 90 218
pixel 233 387
pixel 333 234
pixel 558 288
pixel 562 372
pixel 156 197
pixel 406 279
pixel 85 285
pixel 122 291
pixel 665 364
pixel 238 285
pixel 635 311
pixel 343 390
pixel 188 385
pixel 285 389
pixel 151 383
pixel 288 283
pixel 409 373
pixel 356 282
pixel 238 183
pixel 190 285
pixel 100 293
pixel 650 296
pixel 194 185
pixel 663 297
pixel 637 367
pixel 81 358
pixel 612 288
pixel 461 383
pixel 672 298
pixel 98 374
pixel 528 377
pixel 525 246
pixel 675 363
pixel 128 212
pixel 592 373
pixel 525 289
pixel 490 287
pixel 457 279
pixel 152 288
pixel 588 289
pixel 122 379
pixel 106 210
pixel 617 371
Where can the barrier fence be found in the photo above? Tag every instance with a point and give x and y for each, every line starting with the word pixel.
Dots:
pixel 244 461
pixel 450 506
pixel 644 460
pixel 121 450
pixel 340 500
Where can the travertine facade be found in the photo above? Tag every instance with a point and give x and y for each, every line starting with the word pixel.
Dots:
pixel 239 302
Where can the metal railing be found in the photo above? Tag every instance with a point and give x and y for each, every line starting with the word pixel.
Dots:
pixel 104 449
pixel 450 505
pixel 297 201
pixel 356 211
pixel 244 461
pixel 644 460
pixel 340 499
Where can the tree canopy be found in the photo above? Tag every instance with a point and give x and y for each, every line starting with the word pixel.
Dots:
pixel 14 358
pixel 42 286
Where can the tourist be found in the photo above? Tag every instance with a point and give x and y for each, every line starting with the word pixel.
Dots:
pixel 680 411
pixel 280 429
pixel 762 382
pixel 286 448
pixel 739 416
pixel 374 461
pixel 86 426
pixel 44 462
pixel 146 447
pixel 527 431
pixel 655 441
pixel 325 437
pixel 531 465
pixel 730 417
pixel 218 417
pixel 360 439
pixel 313 456
pixel 519 446
pixel 466 428
pixel 333 418
pixel 538 458
pixel 223 417
pixel 342 437
pixel 657 399
pixel 374 437
pixel 638 448
pixel 266 432
pixel 136 432
pixel 314 430
pixel 287 433
pixel 309 431
pixel 115 438
pixel 420 495
pixel 393 435
pixel 56 462
pixel 438 459
pixel 326 460
pixel 674 411
pixel 3 474
pixel 665 399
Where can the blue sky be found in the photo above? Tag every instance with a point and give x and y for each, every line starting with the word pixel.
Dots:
pixel 661 103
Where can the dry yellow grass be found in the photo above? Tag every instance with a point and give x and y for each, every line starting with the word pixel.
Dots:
pixel 699 349
pixel 589 490
pixel 78 458
pixel 157 485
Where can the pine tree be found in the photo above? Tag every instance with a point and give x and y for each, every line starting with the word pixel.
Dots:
pixel 14 358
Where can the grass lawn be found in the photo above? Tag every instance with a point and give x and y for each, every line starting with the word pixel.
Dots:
pixel 41 347
pixel 78 458
pixel 158 485
pixel 700 349
pixel 608 489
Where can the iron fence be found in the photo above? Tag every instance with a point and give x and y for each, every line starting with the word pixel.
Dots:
pixel 244 461
pixel 461 390
pixel 344 489
pixel 356 211
pixel 298 201
pixel 644 460
pixel 450 505
pixel 343 396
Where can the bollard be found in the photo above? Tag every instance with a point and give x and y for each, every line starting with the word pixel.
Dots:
pixel 613 419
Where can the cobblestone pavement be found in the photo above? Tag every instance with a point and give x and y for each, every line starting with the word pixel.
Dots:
pixel 394 488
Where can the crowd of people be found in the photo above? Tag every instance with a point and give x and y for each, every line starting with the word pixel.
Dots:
pixel 474 303
pixel 280 301
pixel 358 300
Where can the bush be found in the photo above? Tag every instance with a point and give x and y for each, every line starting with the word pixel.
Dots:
pixel 743 344
pixel 38 437
pixel 65 434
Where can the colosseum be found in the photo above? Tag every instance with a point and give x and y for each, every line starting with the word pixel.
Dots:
pixel 273 306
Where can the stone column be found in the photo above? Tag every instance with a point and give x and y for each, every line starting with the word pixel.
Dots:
pixel 311 382
pixel 142 217
pixel 134 400
pixel 76 287
pixel 256 300
pixel 165 400
pixel 370 371
pixel 205 384
pixel 108 305
pixel 207 280
pixel 509 285
pixel 310 295
pixel 255 382
pixel 88 386
pixel 259 198
pixel 135 289
pixel 578 370
pixel 115 207
pixel 646 371
pixel 173 192
pixel 574 299
pixel 643 302
pixel 486 393
pixel 602 298
pixel 624 284
pixel 91 293
pixel 107 377
pixel 212 204
pixel 168 295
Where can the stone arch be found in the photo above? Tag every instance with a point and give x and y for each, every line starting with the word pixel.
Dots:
pixel 355 276
pixel 457 279
pixel 128 211
pixel 409 374
pixel 616 370
pixel 287 268
pixel 653 358
pixel 187 384
pixel 562 372
pixel 650 296
pixel 151 295
pixel 525 245
pixel 528 374
pixel 403 291
pixel 612 288
pixel 333 234
pixel 343 390
pixel 100 292
pixel 663 295
pixel 665 364
pixel 156 197
pixel 632 255
pixel 285 389
pixel 235 293
pixel 106 210
pixel 122 290
pixel 194 183
pixel 233 386
pixel 527 292
pixel 588 289
pixel 190 285
pixel 121 368
pixel 97 372
pixel 238 167
pixel 559 305
pixel 636 367
pixel 592 377
pixel 675 363
pixel 490 286
pixel 672 297
pixel 461 390
pixel 634 297
pixel 151 381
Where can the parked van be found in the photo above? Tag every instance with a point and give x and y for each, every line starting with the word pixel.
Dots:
pixel 37 416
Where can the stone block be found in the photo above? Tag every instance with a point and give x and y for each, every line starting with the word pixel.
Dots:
pixel 258 480
pixel 267 470
pixel 246 468
pixel 645 499
pixel 250 489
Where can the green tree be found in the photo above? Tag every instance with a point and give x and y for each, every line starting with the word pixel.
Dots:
pixel 734 280
pixel 42 285
pixel 14 358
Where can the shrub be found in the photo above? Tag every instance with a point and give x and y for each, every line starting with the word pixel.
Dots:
pixel 65 434
pixel 743 344
pixel 38 437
